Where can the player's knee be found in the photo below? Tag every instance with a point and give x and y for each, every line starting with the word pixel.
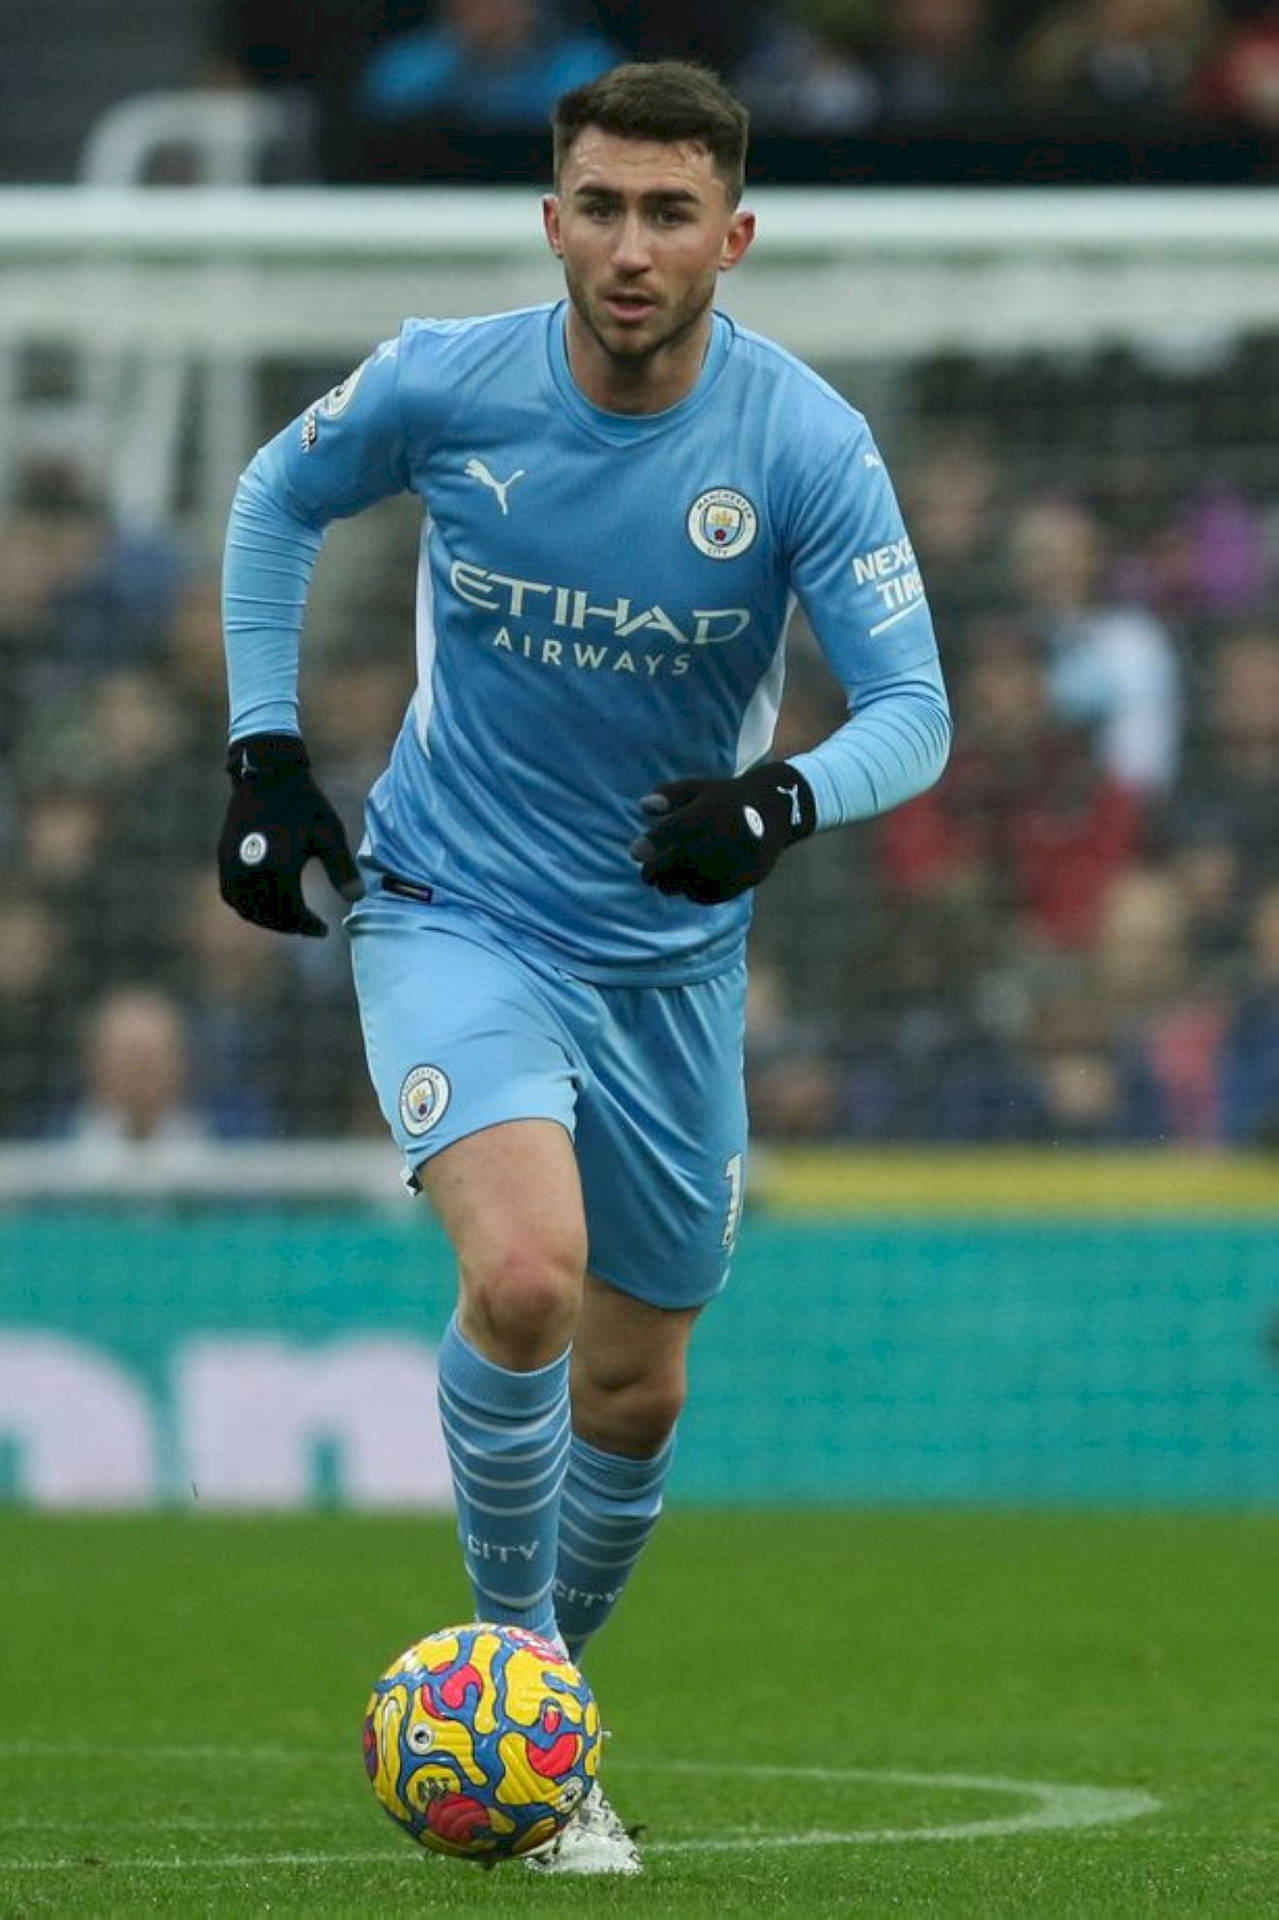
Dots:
pixel 633 1416
pixel 520 1303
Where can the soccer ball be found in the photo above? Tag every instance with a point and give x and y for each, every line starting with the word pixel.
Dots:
pixel 481 1741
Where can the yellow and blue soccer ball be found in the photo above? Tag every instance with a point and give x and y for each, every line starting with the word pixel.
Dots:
pixel 481 1741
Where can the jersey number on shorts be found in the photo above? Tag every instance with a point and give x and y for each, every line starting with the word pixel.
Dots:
pixel 732 1219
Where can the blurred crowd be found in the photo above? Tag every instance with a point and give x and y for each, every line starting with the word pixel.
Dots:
pixel 396 92
pixel 1073 938
pixel 133 1004
pixel 405 89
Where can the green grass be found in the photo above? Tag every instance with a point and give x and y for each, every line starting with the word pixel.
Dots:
pixel 181 1698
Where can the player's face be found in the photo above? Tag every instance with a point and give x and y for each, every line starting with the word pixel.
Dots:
pixel 643 228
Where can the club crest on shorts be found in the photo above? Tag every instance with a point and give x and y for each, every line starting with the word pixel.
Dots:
pixel 722 523
pixel 424 1096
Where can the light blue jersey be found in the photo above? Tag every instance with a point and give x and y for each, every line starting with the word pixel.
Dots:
pixel 602 606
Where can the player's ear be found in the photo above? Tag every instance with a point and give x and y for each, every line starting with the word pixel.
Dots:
pixel 739 236
pixel 551 223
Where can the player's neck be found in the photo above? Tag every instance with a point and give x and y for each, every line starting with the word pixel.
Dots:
pixel 648 385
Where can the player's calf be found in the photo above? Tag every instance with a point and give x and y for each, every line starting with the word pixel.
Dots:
pixel 633 1415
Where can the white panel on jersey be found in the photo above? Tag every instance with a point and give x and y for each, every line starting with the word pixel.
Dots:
pixel 424 699
pixel 760 718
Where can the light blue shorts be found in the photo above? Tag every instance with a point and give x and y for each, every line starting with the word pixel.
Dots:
pixel 463 1032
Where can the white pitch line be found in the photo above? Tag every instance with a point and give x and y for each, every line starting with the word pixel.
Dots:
pixel 220 1863
pixel 1057 1807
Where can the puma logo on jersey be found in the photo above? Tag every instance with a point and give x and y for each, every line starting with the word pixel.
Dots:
pixel 476 470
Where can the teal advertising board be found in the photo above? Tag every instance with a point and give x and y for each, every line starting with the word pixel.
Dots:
pixel 282 1358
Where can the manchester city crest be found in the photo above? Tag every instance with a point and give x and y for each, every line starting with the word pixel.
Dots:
pixel 423 1097
pixel 722 523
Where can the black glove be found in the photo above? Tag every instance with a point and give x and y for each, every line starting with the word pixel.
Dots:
pixel 276 819
pixel 712 839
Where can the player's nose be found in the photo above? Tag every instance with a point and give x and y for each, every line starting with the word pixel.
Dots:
pixel 630 248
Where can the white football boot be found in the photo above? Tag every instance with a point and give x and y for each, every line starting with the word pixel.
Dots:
pixel 594 1841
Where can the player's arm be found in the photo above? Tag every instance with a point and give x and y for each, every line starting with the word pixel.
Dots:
pixel 854 570
pixel 341 455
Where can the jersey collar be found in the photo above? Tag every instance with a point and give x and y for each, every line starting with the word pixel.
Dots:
pixel 623 427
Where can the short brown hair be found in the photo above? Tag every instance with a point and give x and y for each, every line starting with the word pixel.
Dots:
pixel 660 100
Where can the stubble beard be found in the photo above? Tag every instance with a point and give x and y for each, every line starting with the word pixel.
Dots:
pixel 633 355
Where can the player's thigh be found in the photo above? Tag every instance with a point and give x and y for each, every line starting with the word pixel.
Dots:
pixel 514 1185
pixel 510 1200
pixel 459 1033
pixel 661 1140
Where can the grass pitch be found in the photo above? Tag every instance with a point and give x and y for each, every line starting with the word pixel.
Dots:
pixel 938 1713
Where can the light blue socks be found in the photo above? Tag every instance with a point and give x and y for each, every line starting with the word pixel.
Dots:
pixel 608 1508
pixel 507 1436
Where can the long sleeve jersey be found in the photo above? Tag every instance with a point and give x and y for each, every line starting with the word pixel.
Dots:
pixel 602 606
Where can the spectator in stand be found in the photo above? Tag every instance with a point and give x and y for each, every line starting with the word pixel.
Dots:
pixel 1112 668
pixel 135 1086
pixel 942 1065
pixel 1250 1073
pixel 951 492
pixel 794 1083
pixel 1230 798
pixel 1025 823
pixel 273 1052
pixel 804 73
pixel 1241 84
pixel 304 52
pixel 1206 865
pixel 1085 1089
pixel 82 592
pixel 297 43
pixel 720 37
pixel 45 542
pixel 936 64
pixel 78 598
pixel 70 853
pixel 1160 1016
pixel 139 741
pixel 194 673
pixel 1000 875
pixel 35 966
pixel 830 879
pixel 481 64
pixel 62 832
pixel 112 803
pixel 1124 61
pixel 1206 558
pixel 237 984
pixel 50 542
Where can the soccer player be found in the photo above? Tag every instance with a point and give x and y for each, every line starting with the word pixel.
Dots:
pixel 624 495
